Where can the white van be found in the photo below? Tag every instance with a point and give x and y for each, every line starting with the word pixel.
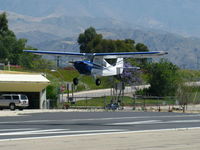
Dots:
pixel 13 101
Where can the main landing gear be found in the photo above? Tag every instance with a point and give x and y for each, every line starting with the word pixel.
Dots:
pixel 76 80
pixel 98 82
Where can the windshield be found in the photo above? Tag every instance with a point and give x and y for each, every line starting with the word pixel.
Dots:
pixel 24 97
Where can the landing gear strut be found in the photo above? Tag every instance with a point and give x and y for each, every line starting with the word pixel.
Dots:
pixel 98 82
pixel 75 81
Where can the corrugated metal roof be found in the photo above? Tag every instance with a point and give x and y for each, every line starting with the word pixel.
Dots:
pixel 22 82
pixel 23 78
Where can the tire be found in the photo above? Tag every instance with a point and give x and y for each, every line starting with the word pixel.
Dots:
pixel 12 106
pixel 75 81
pixel 98 82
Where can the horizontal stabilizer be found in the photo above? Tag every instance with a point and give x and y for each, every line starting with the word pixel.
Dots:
pixel 134 68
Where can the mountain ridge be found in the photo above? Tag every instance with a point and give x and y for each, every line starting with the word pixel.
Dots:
pixel 50 24
pixel 177 16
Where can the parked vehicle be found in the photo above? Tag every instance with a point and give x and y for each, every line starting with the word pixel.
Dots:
pixel 14 101
pixel 112 106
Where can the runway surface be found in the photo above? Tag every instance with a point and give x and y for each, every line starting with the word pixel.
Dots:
pixel 63 124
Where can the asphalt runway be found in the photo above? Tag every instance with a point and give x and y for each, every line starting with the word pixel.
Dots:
pixel 64 124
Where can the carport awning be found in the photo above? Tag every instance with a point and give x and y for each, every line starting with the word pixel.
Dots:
pixel 22 82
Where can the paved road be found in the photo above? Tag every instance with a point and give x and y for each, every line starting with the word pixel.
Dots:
pixel 63 124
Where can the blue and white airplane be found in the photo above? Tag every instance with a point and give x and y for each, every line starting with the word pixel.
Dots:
pixel 95 64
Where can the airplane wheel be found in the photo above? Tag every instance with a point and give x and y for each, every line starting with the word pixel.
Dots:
pixel 98 82
pixel 75 81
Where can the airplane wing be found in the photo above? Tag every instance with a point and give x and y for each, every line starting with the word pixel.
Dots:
pixel 131 54
pixel 56 53
pixel 102 55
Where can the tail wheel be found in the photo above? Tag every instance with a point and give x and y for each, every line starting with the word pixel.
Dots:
pixel 75 81
pixel 98 82
pixel 12 106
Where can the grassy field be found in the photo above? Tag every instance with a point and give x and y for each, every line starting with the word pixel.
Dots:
pixel 190 75
pixel 85 82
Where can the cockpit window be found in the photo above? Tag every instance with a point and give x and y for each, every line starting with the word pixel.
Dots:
pixel 100 62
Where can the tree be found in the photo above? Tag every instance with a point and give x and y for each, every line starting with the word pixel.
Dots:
pixel 4 25
pixel 91 42
pixel 11 49
pixel 163 77
pixel 52 95
pixel 140 47
pixel 130 75
pixel 88 40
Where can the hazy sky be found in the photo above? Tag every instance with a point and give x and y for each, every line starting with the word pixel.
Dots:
pixel 172 15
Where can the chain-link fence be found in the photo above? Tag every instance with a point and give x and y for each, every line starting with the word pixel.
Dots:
pixel 187 98
pixel 137 103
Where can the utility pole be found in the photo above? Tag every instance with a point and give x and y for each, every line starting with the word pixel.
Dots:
pixel 57 61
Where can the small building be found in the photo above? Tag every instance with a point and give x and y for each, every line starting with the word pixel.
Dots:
pixel 30 84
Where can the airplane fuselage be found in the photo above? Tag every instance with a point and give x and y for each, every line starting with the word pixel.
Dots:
pixel 86 67
pixel 90 68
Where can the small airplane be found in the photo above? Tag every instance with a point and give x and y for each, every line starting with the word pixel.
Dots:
pixel 95 64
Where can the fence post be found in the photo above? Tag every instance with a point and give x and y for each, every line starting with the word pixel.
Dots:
pixel 86 102
pixel 104 102
pixel 134 101
pixel 158 106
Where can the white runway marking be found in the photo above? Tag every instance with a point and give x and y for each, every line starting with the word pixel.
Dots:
pixel 22 129
pixel 135 122
pixel 56 131
pixel 154 122
pixel 104 133
pixel 34 132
